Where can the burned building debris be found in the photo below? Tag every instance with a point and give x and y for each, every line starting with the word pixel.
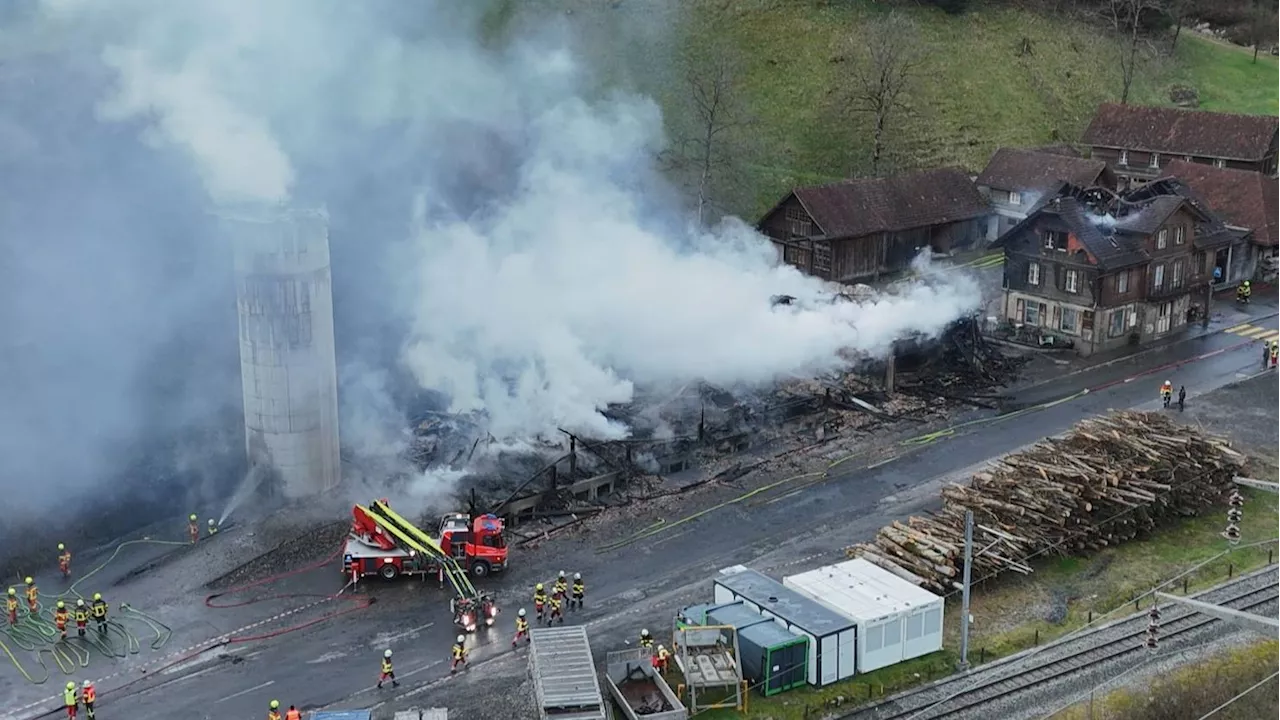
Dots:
pixel 700 425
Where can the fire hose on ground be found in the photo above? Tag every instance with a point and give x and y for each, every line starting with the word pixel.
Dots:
pixel 113 639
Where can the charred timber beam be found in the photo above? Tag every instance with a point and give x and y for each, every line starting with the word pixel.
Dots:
pixel 516 493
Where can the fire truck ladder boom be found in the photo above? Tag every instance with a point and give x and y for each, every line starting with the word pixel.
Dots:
pixel 422 543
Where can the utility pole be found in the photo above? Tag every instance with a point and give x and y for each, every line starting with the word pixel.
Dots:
pixel 964 603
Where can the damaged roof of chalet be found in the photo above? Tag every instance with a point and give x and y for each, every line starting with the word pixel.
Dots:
pixel 1038 170
pixel 1243 198
pixel 1181 132
pixel 854 208
pixel 1145 208
pixel 1112 250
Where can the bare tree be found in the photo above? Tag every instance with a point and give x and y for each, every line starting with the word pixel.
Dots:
pixel 1127 17
pixel 1261 28
pixel 876 85
pixel 717 111
pixel 1179 11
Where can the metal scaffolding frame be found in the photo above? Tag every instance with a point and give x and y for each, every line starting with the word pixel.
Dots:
pixel 708 656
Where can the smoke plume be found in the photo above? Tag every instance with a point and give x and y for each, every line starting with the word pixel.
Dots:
pixel 499 232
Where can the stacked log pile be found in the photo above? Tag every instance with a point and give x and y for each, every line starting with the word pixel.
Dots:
pixel 1108 480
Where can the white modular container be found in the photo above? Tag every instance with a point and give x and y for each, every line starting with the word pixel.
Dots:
pixel 832 637
pixel 896 620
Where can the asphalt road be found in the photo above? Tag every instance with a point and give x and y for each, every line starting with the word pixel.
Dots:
pixel 793 526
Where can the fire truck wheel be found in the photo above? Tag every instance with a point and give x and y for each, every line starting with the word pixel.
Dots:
pixel 479 568
pixel 389 571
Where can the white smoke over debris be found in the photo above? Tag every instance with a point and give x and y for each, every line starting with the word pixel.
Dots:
pixel 499 232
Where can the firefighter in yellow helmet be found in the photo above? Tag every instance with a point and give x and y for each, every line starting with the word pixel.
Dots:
pixel 273 710
pixel 60 618
pixel 33 595
pixel 12 606
pixel 64 560
pixel 70 700
pixel 99 612
pixel 193 528
pixel 539 600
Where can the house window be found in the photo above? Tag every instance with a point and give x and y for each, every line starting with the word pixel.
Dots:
pixel 1162 239
pixel 1033 313
pixel 1070 318
pixel 1115 328
pixel 1219 163
pixel 1015 198
pixel 1124 157
pixel 1073 281
pixel 1122 282
pixel 822 258
pixel 1055 240
pixel 1155 160
pixel 1157 278
pixel 1164 317
pixel 798 222
pixel 1177 274
pixel 1180 235
pixel 1033 274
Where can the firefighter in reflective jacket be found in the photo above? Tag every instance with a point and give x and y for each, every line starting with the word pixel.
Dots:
pixel 60 617
pixel 213 527
pixel 82 617
pixel 459 654
pixel 645 641
pixel 522 628
pixel 33 595
pixel 1275 352
pixel 100 612
pixel 12 606
pixel 557 601
pixel 64 560
pixel 388 672
pixel 273 710
pixel 661 659
pixel 539 600
pixel 578 592
pixel 193 528
pixel 88 696
pixel 70 700
pixel 293 714
pixel 562 585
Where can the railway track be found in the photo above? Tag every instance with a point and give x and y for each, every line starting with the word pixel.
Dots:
pixel 938 701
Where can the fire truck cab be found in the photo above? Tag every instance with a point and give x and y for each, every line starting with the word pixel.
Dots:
pixel 477 545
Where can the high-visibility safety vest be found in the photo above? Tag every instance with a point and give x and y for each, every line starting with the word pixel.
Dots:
pixel 13 604
pixel 663 654
pixel 293 714
pixel 522 625
pixel 99 608
pixel 386 667
pixel 561 585
pixel 69 697
pixel 555 602
pixel 459 652
pixel 32 594
pixel 273 715
pixel 60 618
pixel 579 588
pixel 540 596
pixel 82 615
pixel 64 560
pixel 646 642
pixel 90 695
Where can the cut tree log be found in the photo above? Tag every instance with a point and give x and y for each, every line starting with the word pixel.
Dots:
pixel 1108 480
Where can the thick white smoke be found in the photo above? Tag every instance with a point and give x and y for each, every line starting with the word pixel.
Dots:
pixel 554 279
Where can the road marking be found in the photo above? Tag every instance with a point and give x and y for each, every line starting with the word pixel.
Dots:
pixel 384 640
pixel 245 692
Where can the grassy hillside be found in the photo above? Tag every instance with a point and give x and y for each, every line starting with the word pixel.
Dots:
pixel 974 91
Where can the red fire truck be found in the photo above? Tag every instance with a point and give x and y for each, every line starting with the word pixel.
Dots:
pixel 383 543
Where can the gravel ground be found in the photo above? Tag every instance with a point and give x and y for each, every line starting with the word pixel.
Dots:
pixel 1235 411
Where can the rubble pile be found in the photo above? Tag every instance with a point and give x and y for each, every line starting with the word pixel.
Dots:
pixel 1108 480
pixel 959 363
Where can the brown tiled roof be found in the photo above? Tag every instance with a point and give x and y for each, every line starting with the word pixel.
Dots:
pixel 1243 198
pixel 854 208
pixel 1181 132
pixel 1033 171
